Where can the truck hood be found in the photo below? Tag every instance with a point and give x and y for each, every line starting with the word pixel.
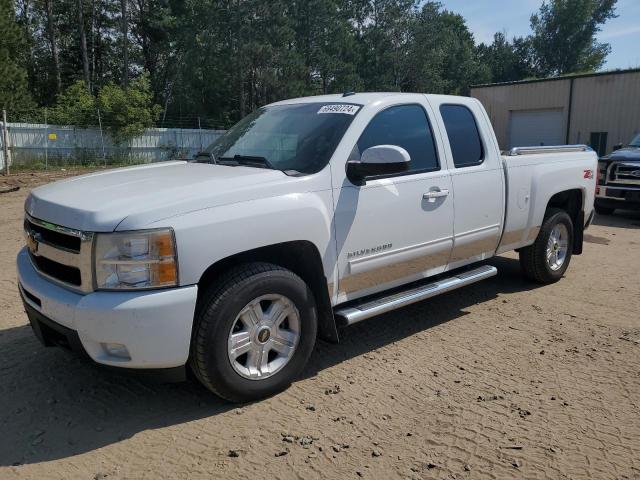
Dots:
pixel 100 202
pixel 627 153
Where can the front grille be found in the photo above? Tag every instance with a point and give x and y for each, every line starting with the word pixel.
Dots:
pixel 627 173
pixel 60 253
pixel 64 273
pixel 53 237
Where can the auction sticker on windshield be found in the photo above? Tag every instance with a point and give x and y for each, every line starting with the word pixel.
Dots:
pixel 340 108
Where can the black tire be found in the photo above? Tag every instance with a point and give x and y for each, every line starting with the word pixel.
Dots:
pixel 533 259
pixel 603 210
pixel 215 315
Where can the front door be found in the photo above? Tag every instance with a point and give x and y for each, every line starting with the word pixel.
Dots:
pixel 398 228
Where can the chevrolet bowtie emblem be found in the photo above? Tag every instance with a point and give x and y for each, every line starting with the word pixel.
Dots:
pixel 32 242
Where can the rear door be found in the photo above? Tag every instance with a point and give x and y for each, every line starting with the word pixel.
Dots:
pixel 477 178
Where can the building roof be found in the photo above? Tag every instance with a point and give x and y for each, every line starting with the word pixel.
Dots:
pixel 560 77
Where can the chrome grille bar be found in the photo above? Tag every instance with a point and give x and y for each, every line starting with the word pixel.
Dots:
pixel 627 173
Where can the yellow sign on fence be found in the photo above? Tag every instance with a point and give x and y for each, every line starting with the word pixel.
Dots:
pixel 53 136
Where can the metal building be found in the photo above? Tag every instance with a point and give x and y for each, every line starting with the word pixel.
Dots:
pixel 597 109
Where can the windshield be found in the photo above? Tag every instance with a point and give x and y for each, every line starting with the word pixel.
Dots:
pixel 635 142
pixel 300 137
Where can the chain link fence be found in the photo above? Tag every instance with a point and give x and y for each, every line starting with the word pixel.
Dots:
pixel 42 146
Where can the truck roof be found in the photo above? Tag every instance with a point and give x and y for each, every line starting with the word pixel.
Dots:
pixel 366 98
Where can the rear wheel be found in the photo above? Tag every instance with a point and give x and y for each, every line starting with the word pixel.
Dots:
pixel 254 332
pixel 603 210
pixel 548 258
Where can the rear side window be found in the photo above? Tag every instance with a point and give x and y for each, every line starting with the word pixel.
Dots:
pixel 463 134
pixel 405 126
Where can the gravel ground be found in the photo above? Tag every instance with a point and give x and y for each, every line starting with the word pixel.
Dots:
pixel 502 379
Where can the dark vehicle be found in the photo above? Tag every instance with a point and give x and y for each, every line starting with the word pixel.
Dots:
pixel 619 179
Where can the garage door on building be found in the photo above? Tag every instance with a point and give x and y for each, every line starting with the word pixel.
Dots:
pixel 529 128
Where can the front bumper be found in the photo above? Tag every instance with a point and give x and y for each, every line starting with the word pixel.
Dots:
pixel 154 326
pixel 618 197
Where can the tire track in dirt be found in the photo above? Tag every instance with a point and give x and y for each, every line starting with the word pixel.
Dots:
pixel 503 379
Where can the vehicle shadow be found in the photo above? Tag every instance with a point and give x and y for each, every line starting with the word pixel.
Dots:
pixel 619 219
pixel 55 405
pixel 385 329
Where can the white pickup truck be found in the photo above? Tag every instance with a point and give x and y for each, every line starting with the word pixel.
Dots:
pixel 308 215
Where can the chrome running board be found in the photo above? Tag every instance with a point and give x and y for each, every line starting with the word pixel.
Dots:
pixel 353 314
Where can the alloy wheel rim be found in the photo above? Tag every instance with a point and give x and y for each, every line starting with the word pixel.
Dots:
pixel 264 336
pixel 557 247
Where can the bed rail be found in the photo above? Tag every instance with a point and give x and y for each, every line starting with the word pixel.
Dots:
pixel 548 149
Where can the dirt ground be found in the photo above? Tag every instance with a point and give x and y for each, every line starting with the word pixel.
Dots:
pixel 502 379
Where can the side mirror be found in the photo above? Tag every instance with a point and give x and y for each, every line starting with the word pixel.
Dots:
pixel 617 146
pixel 376 161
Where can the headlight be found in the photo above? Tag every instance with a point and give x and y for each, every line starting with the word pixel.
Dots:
pixel 133 260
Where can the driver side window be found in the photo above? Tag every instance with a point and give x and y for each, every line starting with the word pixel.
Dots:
pixel 405 126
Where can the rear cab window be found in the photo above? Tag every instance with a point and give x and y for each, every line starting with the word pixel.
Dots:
pixel 463 134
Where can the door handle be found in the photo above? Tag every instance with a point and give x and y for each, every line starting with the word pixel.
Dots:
pixel 433 194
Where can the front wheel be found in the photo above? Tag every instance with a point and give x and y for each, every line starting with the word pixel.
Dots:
pixel 254 332
pixel 548 258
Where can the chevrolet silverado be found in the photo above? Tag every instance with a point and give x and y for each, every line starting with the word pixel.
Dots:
pixel 308 215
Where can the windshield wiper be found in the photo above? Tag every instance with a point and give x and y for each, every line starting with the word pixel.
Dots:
pixel 248 160
pixel 203 157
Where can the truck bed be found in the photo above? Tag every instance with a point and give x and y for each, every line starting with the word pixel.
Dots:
pixel 530 174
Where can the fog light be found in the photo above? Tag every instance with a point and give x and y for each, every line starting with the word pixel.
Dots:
pixel 117 350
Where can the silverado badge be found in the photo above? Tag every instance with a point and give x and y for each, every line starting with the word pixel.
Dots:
pixel 369 251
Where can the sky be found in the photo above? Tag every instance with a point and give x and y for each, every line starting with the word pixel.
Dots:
pixel 485 17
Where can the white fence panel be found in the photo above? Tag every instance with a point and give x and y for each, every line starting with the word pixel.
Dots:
pixel 40 144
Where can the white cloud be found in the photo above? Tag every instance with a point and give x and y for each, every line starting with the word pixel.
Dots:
pixel 619 32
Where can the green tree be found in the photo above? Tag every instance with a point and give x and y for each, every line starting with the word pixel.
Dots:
pixel 385 42
pixel 210 62
pixel 205 76
pixel 564 35
pixel 506 60
pixel 127 112
pixel 154 31
pixel 55 52
pixel 75 106
pixel 443 56
pixel 326 46
pixel 14 93
pixel 231 57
